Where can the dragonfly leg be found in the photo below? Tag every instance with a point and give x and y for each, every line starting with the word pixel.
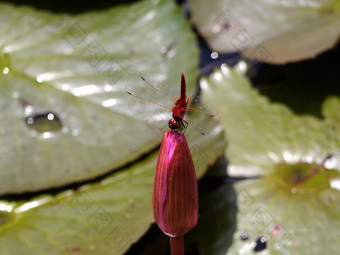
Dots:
pixel 183 126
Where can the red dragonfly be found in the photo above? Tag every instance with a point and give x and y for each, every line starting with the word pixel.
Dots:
pixel 180 106
pixel 178 111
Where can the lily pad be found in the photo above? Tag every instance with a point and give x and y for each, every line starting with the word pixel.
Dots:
pixel 296 159
pixel 290 222
pixel 262 134
pixel 63 89
pixel 99 218
pixel 274 32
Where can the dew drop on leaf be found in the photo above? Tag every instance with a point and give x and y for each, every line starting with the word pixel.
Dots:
pixel 261 243
pixel 244 236
pixel 44 122
pixel 214 55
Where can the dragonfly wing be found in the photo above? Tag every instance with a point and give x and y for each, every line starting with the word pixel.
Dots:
pixel 200 106
pixel 157 87
pixel 142 94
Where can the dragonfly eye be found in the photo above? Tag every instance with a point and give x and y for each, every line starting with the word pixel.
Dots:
pixel 173 124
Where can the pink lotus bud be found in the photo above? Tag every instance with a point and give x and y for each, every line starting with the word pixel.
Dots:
pixel 175 196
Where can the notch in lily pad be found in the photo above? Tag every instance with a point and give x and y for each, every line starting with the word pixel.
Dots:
pixel 300 178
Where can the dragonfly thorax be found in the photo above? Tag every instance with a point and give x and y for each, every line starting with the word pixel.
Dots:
pixel 178 111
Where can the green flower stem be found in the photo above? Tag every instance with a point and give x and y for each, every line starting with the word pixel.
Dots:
pixel 177 245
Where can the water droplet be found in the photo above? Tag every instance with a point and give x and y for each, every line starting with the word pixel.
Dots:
pixel 214 55
pixel 261 243
pixel 44 122
pixel 244 236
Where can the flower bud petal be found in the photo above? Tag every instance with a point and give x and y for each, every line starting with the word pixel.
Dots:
pixel 175 195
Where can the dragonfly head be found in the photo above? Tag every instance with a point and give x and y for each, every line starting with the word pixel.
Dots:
pixel 173 124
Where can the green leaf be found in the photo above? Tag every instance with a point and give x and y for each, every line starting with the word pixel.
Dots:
pixel 66 114
pixel 262 134
pixel 100 218
pixel 297 159
pixel 269 31
pixel 293 223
